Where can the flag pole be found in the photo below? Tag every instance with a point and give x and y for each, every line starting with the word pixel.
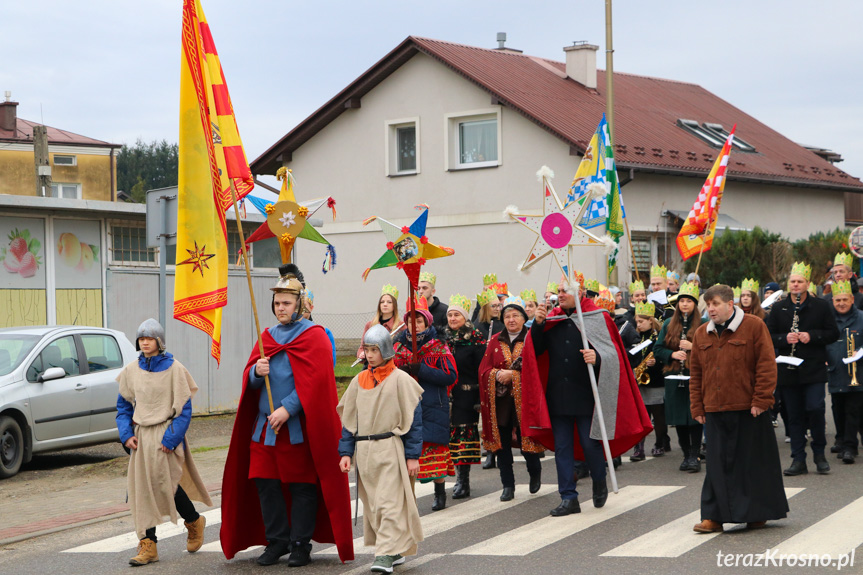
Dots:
pixel 251 290
pixel 703 243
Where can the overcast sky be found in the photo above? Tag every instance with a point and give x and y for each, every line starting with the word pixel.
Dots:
pixel 109 69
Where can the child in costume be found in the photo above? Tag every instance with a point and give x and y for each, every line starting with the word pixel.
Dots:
pixel 282 486
pixel 382 432
pixel 154 409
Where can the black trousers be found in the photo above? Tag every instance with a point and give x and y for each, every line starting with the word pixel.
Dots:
pixel 659 426
pixel 304 508
pixel 185 508
pixel 806 407
pixel 846 415
pixel 689 437
pixel 504 457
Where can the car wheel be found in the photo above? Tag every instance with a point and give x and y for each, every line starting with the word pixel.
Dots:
pixel 11 447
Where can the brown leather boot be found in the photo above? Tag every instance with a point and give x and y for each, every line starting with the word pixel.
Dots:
pixel 147 553
pixel 708 526
pixel 756 525
pixel 196 534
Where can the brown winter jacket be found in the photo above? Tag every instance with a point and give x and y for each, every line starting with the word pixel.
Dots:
pixel 734 372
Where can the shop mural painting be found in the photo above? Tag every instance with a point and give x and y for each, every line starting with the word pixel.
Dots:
pixel 78 272
pixel 23 299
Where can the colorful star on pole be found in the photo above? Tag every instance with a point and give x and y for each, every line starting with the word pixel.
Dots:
pixel 557 228
pixel 408 248
pixel 197 259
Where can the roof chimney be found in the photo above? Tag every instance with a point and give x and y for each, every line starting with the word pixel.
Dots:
pixel 8 113
pixel 581 63
pixel 501 44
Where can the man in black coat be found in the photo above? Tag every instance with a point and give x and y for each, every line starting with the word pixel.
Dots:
pixel 842 270
pixel 438 309
pixel 802 387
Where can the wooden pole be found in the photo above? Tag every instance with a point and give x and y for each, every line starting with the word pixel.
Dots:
pixel 251 290
pixel 609 72
pixel 43 165
pixel 703 243
pixel 631 251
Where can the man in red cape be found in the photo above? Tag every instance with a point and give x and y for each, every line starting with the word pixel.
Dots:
pixel 557 398
pixel 287 460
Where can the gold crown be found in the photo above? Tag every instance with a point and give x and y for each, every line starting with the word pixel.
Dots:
pixel 489 279
pixel 428 277
pixel 736 291
pixel 645 308
pixel 592 285
pixel 390 290
pixel 844 259
pixel 689 289
pixel 551 287
pixel 486 297
pixel 801 269
pixel 750 285
pixel 460 301
pixel 635 286
pixel 842 288
pixel 528 295
pixel 811 289
pixel 658 271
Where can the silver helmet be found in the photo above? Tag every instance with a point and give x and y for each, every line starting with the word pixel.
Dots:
pixel 379 336
pixel 151 328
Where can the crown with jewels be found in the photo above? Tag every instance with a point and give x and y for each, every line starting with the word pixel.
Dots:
pixel 528 295
pixel 841 288
pixel 844 260
pixel 801 269
pixel 673 275
pixel 428 277
pixel 500 289
pixel 689 289
pixel 736 291
pixel 391 290
pixel 606 301
pixel 514 300
pixel 592 285
pixel 486 297
pixel 658 271
pixel 750 285
pixel 635 286
pixel 310 295
pixel 551 287
pixel 489 279
pixel 645 308
pixel 460 301
pixel 811 289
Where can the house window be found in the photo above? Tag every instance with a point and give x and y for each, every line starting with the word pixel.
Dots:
pixel 68 191
pixel 650 250
pixel 723 133
pixel 129 246
pixel 65 160
pixel 267 253
pixel 708 136
pixel 402 147
pixel 474 140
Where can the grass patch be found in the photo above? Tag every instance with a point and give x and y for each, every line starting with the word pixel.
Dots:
pixel 205 449
pixel 343 367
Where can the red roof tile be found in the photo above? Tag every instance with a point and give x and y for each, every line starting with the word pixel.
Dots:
pixel 24 134
pixel 646 111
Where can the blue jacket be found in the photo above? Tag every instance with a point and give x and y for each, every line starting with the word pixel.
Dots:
pixel 125 410
pixel 838 378
pixel 413 439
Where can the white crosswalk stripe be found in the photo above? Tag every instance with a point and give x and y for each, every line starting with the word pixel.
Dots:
pixel 539 534
pixel 669 540
pixel 835 535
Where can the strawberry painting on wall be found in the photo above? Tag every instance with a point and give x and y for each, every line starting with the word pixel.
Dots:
pixel 22 254
pixel 23 299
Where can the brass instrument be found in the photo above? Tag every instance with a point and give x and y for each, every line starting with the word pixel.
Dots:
pixel 641 374
pixel 851 348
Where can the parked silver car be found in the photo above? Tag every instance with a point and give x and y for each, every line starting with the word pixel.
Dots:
pixel 58 389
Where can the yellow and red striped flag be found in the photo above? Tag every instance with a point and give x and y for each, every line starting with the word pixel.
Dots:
pixel 210 157
pixel 698 229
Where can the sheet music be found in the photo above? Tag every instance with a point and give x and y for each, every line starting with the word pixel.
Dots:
pixel 683 377
pixel 658 297
pixel 640 346
pixel 787 359
pixel 772 299
pixel 853 358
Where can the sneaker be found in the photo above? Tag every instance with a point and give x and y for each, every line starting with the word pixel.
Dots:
pixel 657 451
pixel 301 554
pixel 385 563
pixel 274 550
pixel 775 423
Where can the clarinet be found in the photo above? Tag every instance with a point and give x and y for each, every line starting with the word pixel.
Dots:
pixel 795 324
pixel 683 364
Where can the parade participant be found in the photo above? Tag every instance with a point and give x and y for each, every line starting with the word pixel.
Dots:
pixel 749 301
pixel 467 345
pixel 658 278
pixel 282 486
pixel 489 315
pixel 551 291
pixel 500 393
pixel 154 409
pixel 648 375
pixel 733 377
pixel 843 270
pixel 672 348
pixel 434 368
pixel 381 418
pixel 673 284
pixel 530 303
pixel 696 279
pixel 802 326
pixel 426 289
pixel 735 292
pixel 769 289
pixel 488 280
pixel 386 314
pixel 846 396
pixel 558 408
pixel 637 294
pixel 591 288
pixel 308 308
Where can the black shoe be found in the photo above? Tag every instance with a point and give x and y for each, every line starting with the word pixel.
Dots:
pixel 508 494
pixel 566 507
pixel 694 465
pixel 600 493
pixel 271 554
pixel 702 453
pixel 836 448
pixel 439 496
pixel 489 462
pixel 301 555
pixel 461 489
pixel 617 462
pixel 684 465
pixel 847 456
pixel 821 465
pixel 535 481
pixel 798 467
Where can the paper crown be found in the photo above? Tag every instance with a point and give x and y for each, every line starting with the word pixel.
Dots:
pixel 551 287
pixel 460 302
pixel 428 277
pixel 750 285
pixel 592 285
pixel 500 289
pixel 390 290
pixel 801 269
pixel 489 279
pixel 528 295
pixel 514 300
pixel 658 271
pixel 606 301
pixel 420 304
pixel 635 286
pixel 690 290
pixel 486 297
pixel 673 275
pixel 645 308
pixel 310 295
pixel 811 289
pixel 736 291
pixel 578 276
pixel 844 260
pixel 841 288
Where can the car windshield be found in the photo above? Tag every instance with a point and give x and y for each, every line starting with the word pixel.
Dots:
pixel 13 349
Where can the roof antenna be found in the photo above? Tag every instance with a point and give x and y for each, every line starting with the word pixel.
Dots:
pixel 501 40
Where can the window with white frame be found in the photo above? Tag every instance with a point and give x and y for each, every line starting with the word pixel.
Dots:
pixel 474 139
pixel 65 160
pixel 68 191
pixel 402 147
